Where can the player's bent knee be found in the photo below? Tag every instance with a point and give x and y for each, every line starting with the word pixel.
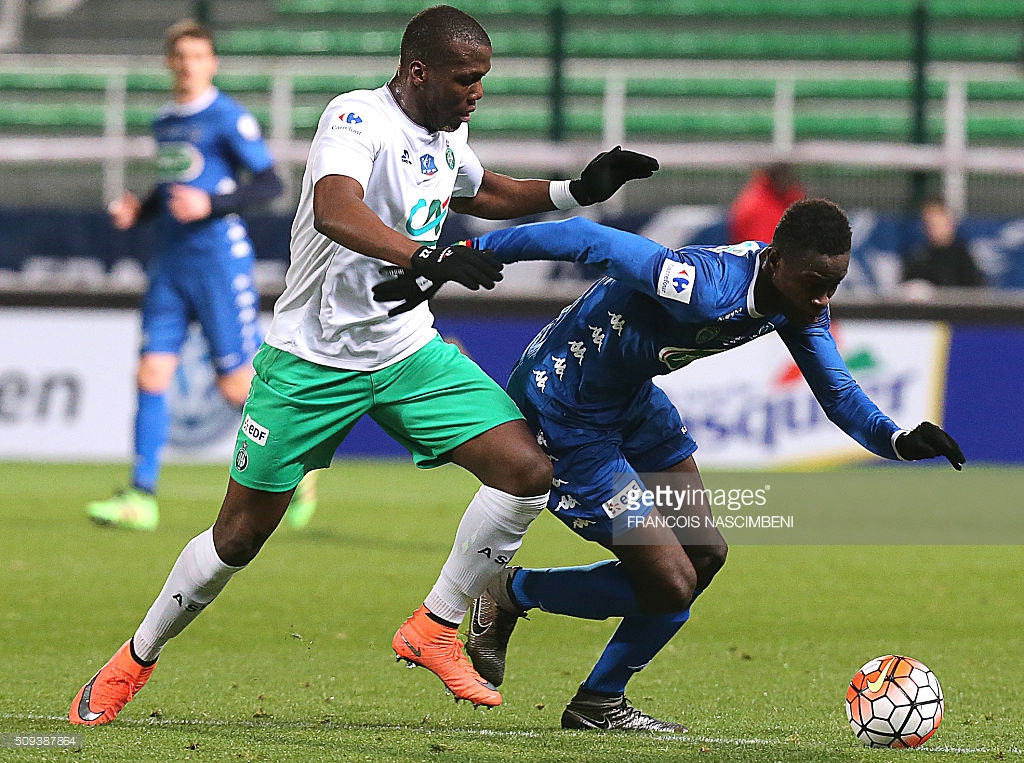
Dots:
pixel 237 545
pixel 155 372
pixel 672 593
pixel 707 561
pixel 529 474
pixel 712 559
pixel 519 472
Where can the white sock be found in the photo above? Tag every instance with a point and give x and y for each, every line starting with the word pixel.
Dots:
pixel 490 532
pixel 195 580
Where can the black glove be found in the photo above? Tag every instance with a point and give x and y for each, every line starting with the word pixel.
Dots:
pixel 470 267
pixel 927 441
pixel 408 287
pixel 607 172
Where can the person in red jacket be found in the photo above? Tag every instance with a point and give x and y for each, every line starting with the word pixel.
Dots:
pixel 760 204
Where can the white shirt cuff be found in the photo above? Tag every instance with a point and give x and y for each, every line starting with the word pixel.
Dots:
pixel 896 434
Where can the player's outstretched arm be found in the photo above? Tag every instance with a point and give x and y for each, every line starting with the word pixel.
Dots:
pixel 501 197
pixel 928 441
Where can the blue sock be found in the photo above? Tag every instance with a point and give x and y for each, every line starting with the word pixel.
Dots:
pixel 596 592
pixel 634 644
pixel 152 421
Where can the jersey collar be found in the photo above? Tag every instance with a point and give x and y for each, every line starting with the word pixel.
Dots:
pixel 390 98
pixel 194 106
pixel 751 310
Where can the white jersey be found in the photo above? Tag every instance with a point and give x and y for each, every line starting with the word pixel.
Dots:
pixel 327 313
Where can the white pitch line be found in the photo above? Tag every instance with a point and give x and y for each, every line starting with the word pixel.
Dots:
pixel 681 738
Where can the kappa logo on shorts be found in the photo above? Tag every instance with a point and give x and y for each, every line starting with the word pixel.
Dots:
pixel 258 434
pixel 619 502
pixel 242 458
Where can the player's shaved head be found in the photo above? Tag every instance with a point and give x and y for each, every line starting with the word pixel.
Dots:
pixel 432 34
pixel 812 226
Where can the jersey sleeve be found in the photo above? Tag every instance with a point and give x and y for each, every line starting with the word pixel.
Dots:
pixel 345 142
pixel 686 286
pixel 471 174
pixel 245 140
pixel 844 402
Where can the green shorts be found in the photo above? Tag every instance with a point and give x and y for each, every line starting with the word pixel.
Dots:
pixel 298 412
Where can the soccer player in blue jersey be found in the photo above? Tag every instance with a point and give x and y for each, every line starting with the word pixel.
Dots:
pixel 585 387
pixel 213 163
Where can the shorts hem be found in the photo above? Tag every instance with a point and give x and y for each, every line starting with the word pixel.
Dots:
pixel 461 439
pixel 266 487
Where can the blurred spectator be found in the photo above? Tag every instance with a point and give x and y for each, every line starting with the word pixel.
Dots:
pixel 943 259
pixel 761 202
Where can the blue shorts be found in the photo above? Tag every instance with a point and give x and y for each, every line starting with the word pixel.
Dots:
pixel 218 291
pixel 597 457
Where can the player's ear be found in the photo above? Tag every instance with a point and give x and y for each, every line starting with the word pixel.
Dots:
pixel 770 260
pixel 417 72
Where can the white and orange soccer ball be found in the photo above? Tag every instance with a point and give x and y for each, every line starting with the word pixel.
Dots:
pixel 894 701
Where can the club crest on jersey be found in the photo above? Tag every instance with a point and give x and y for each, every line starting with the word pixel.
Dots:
pixel 427 166
pixel 242 458
pixel 449 157
pixel 676 281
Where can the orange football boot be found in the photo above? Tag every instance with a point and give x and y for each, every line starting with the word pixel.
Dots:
pixel 100 700
pixel 426 642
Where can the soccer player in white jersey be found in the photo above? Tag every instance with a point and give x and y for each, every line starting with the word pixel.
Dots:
pixel 384 168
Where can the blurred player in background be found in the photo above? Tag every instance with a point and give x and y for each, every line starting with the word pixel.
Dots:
pixel 759 205
pixel 213 163
pixel 585 387
pixel 384 169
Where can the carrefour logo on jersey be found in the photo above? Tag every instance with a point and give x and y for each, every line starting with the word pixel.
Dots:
pixel 425 216
pixel 676 281
pixel 348 121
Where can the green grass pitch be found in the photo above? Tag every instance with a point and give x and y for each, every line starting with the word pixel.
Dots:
pixel 293 661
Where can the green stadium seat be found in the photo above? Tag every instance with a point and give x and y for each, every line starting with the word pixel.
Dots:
pixel 651 44
pixel 808 9
pixel 662 107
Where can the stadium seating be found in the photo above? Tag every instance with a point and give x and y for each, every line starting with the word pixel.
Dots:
pixel 999 9
pixel 662 105
pixel 647 43
pixel 683 107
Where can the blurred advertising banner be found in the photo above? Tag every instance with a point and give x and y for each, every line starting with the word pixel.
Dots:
pixel 67 389
pixel 750 407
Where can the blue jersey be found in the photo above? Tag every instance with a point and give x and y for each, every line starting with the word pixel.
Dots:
pixel 659 310
pixel 205 144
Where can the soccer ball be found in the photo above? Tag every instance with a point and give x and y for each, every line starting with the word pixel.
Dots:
pixel 894 701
